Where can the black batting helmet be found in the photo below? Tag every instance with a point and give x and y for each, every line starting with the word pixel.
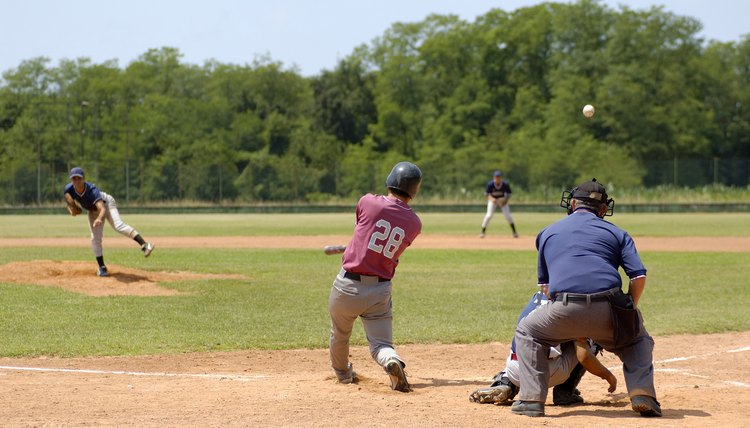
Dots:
pixel 404 178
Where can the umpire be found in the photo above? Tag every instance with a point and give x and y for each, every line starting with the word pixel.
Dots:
pixel 578 261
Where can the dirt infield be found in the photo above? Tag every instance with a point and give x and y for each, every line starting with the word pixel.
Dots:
pixel 701 380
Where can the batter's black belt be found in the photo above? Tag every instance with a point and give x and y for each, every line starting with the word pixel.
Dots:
pixel 358 277
pixel 595 297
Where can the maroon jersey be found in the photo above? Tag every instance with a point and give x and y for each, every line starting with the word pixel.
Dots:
pixel 385 227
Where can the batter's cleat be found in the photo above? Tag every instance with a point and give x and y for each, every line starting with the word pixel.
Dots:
pixel 528 408
pixel 515 235
pixel 492 395
pixel 102 271
pixel 398 377
pixel 481 235
pixel 147 248
pixel 646 406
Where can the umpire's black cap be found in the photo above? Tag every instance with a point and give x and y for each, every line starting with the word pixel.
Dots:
pixel 591 191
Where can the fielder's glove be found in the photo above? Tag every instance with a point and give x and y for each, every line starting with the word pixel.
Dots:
pixel 74 209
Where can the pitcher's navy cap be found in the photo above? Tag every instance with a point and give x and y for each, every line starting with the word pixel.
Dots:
pixel 77 172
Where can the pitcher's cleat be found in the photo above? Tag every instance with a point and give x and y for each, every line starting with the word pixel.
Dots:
pixel 147 248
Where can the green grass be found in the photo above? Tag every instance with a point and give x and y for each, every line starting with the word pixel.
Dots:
pixel 665 224
pixel 452 296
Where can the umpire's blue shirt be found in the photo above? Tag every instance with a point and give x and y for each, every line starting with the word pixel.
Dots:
pixel 582 253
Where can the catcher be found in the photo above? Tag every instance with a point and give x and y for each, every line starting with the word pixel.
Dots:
pixel 100 206
pixel 568 363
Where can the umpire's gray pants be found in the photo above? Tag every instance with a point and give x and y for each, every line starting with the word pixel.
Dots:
pixel 370 300
pixel 558 322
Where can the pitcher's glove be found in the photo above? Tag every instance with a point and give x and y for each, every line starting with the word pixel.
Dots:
pixel 73 208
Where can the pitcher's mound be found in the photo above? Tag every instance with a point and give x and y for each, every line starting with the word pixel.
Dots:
pixel 80 277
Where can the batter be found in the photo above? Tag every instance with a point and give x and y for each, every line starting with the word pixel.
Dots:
pixel 385 227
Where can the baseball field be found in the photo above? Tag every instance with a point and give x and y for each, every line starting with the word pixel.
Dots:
pixel 226 324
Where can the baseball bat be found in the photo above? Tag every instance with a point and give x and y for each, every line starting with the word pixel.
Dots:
pixel 334 249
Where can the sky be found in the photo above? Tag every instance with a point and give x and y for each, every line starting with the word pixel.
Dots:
pixel 310 35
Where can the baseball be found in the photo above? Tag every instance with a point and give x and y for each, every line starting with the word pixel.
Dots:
pixel 588 110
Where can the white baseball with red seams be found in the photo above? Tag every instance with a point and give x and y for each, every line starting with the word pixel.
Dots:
pixel 588 110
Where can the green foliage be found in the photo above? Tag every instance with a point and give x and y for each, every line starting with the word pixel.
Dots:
pixel 458 98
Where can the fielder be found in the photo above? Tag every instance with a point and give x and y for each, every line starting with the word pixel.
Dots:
pixel 578 262
pixel 498 194
pixel 568 363
pixel 100 206
pixel 385 226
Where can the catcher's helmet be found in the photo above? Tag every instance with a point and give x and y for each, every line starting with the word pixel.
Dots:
pixel 404 178
pixel 590 192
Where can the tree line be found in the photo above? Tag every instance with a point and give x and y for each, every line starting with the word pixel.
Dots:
pixel 458 98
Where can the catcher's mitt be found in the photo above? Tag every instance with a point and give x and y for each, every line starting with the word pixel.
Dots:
pixel 73 208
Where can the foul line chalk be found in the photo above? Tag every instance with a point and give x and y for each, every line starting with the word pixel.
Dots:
pixel 682 373
pixel 691 357
pixel 196 375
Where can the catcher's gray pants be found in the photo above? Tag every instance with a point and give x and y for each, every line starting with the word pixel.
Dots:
pixel 558 322
pixel 370 300
pixel 491 205
pixel 113 217
pixel 559 367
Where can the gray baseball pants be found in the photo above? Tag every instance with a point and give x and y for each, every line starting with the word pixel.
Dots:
pixel 559 322
pixel 113 217
pixel 559 367
pixel 370 300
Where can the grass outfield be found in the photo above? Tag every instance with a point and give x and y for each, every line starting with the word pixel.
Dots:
pixel 664 224
pixel 448 296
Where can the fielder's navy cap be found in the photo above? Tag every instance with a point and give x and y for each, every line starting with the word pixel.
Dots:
pixel 498 173
pixel 77 172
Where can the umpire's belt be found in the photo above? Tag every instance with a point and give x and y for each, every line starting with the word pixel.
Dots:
pixel 588 298
pixel 363 278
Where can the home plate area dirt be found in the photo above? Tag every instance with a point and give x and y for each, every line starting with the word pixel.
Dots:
pixel 701 381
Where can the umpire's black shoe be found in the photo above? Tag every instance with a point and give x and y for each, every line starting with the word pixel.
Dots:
pixel 564 397
pixel 528 408
pixel 646 406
